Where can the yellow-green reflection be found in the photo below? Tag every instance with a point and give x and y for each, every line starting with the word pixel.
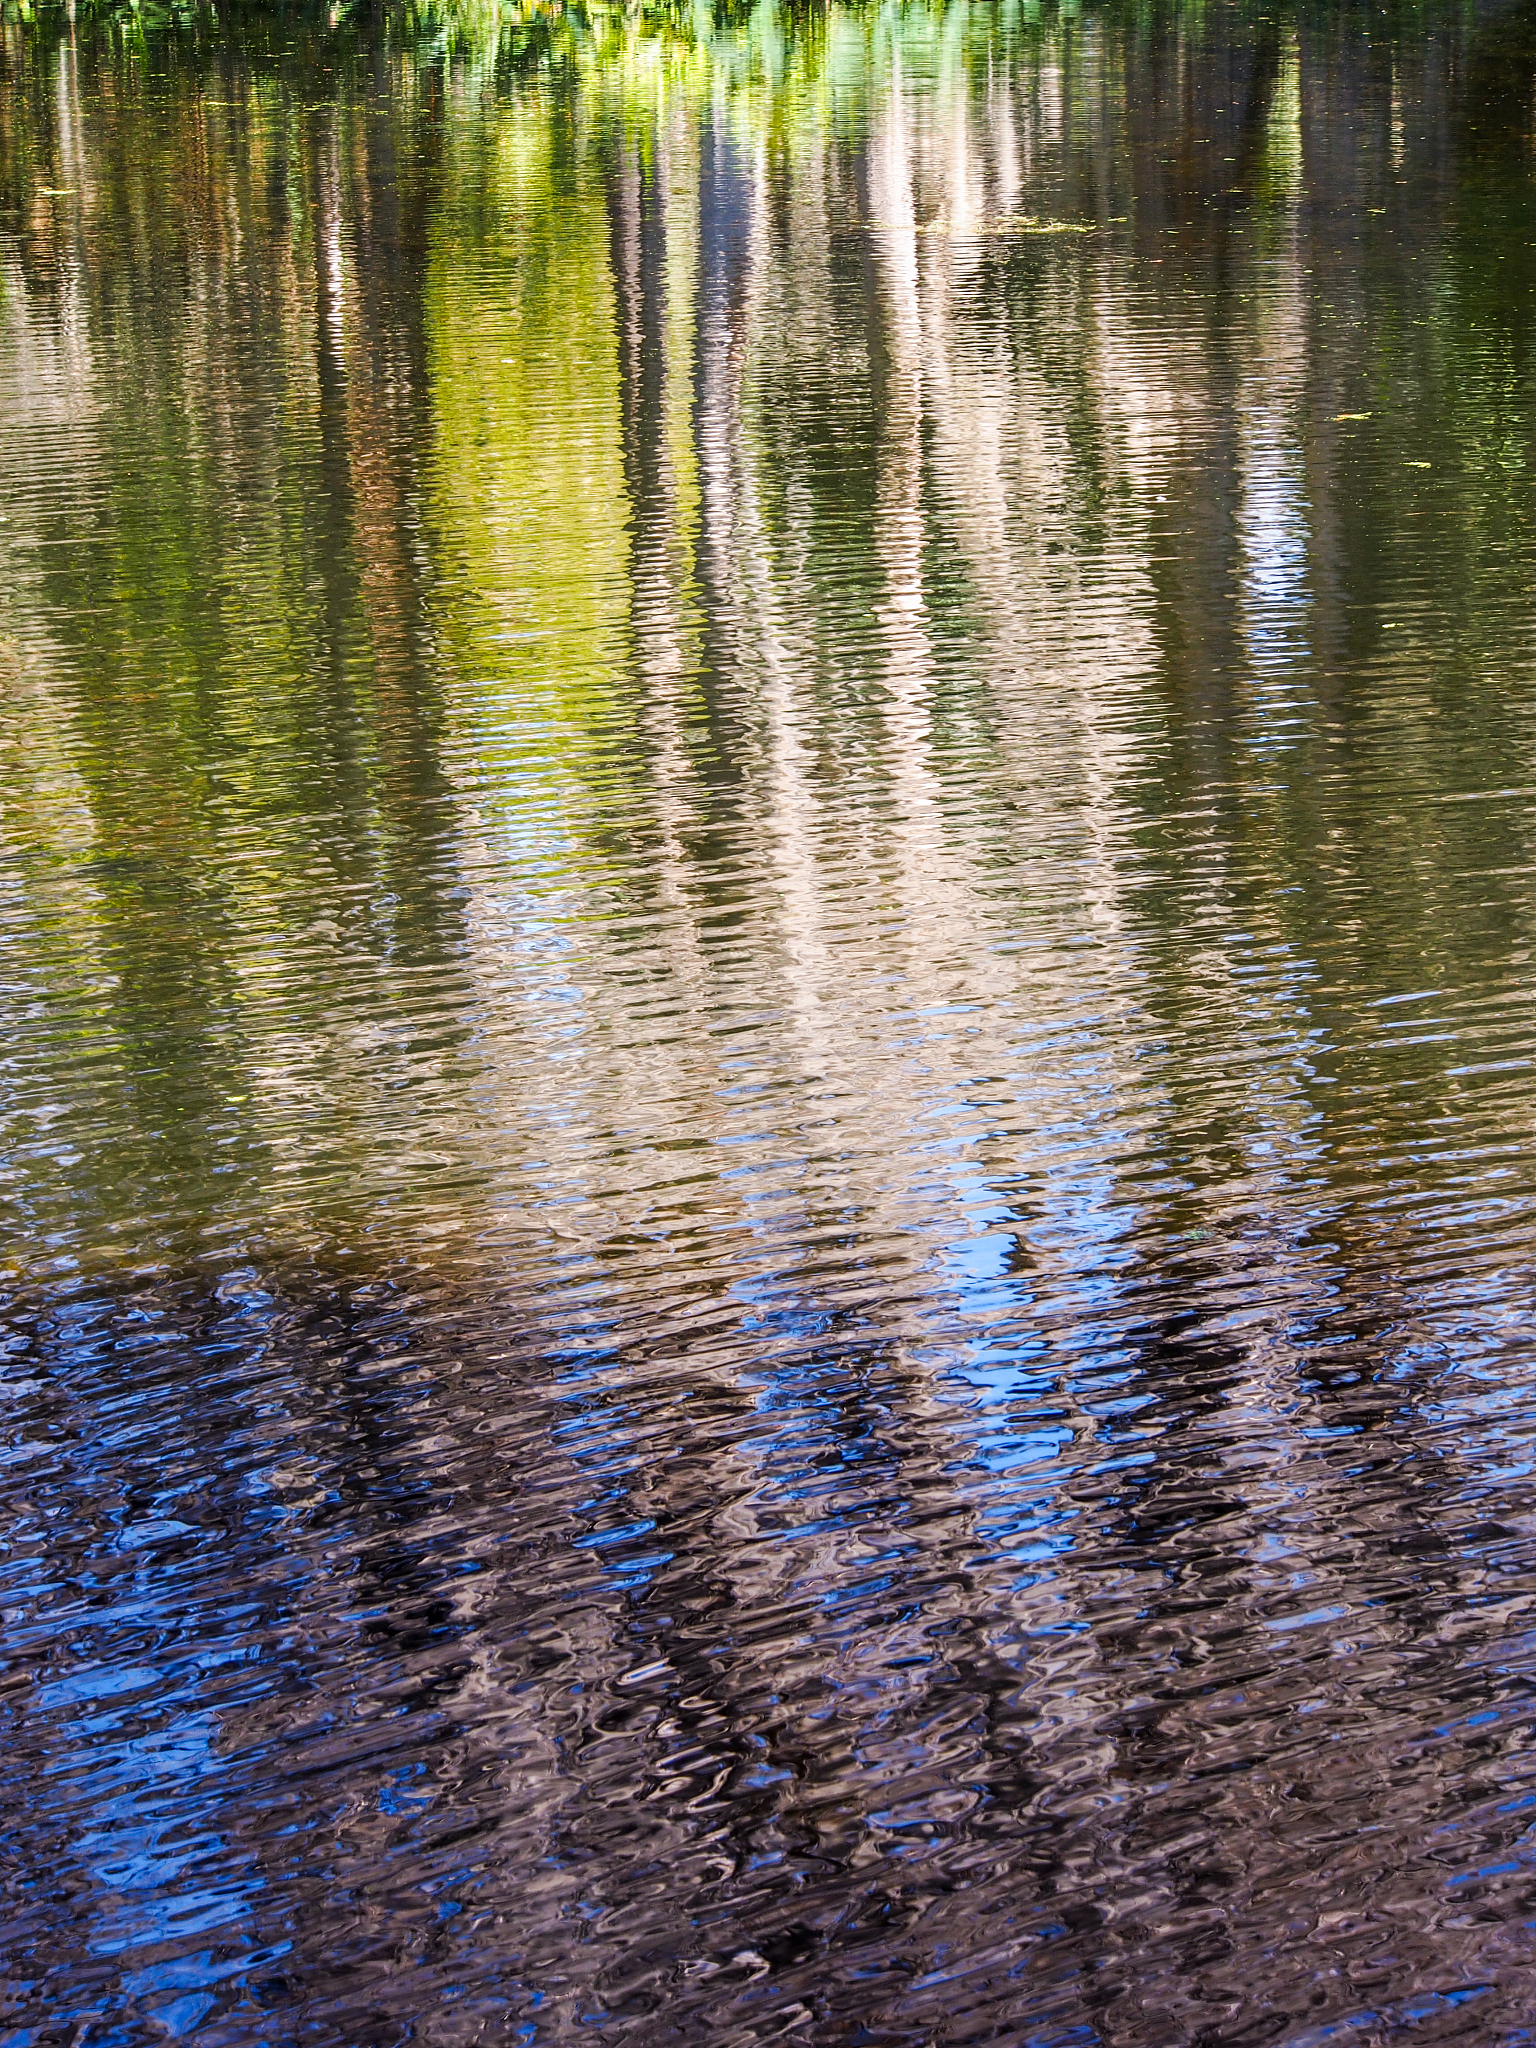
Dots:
pixel 710 647
pixel 766 791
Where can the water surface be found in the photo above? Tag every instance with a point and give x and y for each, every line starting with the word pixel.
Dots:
pixel 767 887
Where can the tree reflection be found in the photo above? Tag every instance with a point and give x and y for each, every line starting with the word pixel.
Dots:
pixel 774 772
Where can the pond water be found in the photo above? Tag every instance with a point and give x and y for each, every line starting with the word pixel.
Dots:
pixel 767 954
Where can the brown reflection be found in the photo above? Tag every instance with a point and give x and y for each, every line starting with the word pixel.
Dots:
pixel 967 1473
pixel 261 429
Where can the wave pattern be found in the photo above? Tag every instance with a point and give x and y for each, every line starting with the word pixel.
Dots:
pixel 767 817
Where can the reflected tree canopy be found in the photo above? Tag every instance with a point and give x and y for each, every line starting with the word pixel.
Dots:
pixel 766 857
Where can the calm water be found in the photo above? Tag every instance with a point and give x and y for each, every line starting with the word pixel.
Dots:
pixel 767 903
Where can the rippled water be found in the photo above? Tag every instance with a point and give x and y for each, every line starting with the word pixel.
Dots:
pixel 767 887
